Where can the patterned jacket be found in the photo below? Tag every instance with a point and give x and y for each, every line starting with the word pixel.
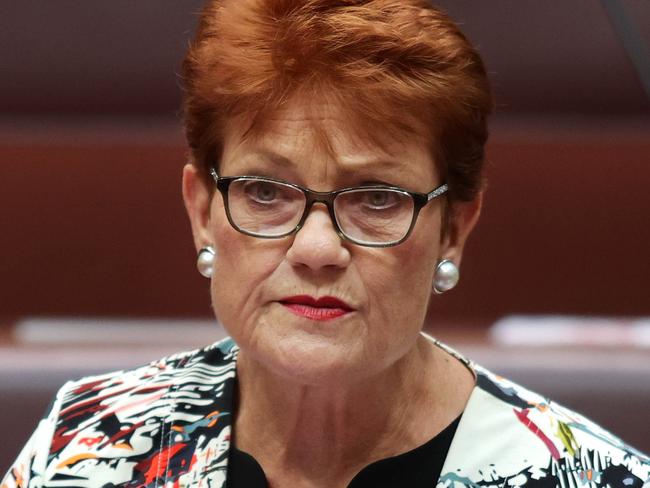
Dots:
pixel 168 424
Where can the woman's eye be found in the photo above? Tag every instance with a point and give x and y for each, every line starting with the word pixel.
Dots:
pixel 262 191
pixel 380 199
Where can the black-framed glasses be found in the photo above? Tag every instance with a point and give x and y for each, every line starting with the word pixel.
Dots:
pixel 374 216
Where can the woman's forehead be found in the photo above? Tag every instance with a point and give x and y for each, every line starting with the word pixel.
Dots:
pixel 300 133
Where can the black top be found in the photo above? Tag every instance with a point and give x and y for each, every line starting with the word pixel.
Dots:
pixel 417 468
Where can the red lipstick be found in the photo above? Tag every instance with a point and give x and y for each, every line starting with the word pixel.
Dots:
pixel 323 308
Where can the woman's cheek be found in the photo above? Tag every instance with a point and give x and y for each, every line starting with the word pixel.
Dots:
pixel 397 286
pixel 387 276
pixel 244 276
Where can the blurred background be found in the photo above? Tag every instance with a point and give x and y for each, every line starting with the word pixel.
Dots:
pixel 97 261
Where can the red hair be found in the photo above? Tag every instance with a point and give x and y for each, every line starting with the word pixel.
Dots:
pixel 384 61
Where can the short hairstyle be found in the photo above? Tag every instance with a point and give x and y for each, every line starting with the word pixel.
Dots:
pixel 384 61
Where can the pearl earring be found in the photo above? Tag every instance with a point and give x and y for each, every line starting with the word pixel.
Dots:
pixel 205 261
pixel 446 276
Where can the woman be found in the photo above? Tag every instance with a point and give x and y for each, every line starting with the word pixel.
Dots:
pixel 335 175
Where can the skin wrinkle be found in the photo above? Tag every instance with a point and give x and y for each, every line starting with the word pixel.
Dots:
pixel 320 400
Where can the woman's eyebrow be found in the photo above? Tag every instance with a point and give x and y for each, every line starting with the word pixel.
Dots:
pixel 385 171
pixel 373 165
pixel 369 168
pixel 269 157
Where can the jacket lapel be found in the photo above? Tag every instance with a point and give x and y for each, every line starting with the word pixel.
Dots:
pixel 488 450
pixel 201 422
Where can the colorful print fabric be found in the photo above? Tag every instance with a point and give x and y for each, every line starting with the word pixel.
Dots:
pixel 168 425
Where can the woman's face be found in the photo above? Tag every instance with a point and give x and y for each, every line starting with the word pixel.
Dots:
pixel 388 289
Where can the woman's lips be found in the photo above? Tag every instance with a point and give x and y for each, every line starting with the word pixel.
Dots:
pixel 323 308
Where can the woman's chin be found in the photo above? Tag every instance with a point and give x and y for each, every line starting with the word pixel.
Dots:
pixel 312 360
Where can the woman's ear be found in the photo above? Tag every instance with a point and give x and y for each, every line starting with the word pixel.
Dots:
pixel 197 200
pixel 461 219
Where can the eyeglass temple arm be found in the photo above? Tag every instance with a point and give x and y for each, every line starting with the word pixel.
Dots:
pixel 437 192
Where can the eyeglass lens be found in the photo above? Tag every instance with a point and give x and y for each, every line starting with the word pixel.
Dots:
pixel 367 216
pixel 374 216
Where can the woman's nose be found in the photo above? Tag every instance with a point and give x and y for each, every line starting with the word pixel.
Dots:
pixel 317 244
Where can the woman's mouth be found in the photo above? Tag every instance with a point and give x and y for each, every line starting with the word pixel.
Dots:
pixel 323 308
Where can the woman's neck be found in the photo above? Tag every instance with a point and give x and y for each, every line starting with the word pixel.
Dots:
pixel 317 431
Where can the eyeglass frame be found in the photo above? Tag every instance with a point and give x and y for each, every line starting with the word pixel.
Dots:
pixel 420 200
